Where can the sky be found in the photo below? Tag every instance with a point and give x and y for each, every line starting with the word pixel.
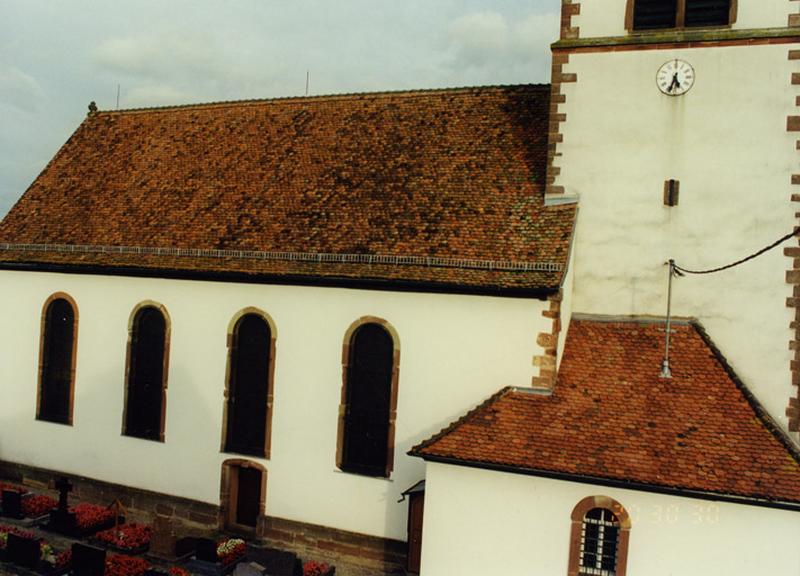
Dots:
pixel 58 55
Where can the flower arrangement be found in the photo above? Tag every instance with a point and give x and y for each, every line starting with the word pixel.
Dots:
pixel 38 505
pixel 231 550
pixel 91 515
pixel 126 536
pixel 47 552
pixel 121 565
pixel 178 571
pixel 313 568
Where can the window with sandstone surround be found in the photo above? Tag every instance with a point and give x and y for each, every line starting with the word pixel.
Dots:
pixel 599 538
pixel 57 352
pixel 644 15
pixel 249 388
pixel 146 370
pixel 370 358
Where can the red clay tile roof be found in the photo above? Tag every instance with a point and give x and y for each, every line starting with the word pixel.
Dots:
pixel 612 417
pixel 450 174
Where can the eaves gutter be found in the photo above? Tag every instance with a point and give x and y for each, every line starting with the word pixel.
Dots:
pixel 378 284
pixel 623 484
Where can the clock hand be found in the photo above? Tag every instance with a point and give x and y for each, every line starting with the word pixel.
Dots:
pixel 675 84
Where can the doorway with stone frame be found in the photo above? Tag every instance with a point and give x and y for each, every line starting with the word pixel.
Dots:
pixel 243 497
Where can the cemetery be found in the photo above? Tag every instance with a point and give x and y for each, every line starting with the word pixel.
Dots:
pixel 45 536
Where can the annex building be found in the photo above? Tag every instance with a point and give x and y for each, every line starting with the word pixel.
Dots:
pixel 280 317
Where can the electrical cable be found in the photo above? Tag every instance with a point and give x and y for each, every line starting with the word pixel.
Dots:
pixel 795 232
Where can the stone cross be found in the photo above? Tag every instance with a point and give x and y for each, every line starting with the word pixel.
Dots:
pixel 64 488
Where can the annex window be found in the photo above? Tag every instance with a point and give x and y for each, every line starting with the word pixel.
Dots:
pixel 599 538
pixel 146 387
pixel 57 360
pixel 248 405
pixel 666 14
pixel 599 542
pixel 369 399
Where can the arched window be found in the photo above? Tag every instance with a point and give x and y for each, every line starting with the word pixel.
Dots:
pixel 369 399
pixel 599 539
pixel 57 360
pixel 145 398
pixel 248 405
pixel 662 14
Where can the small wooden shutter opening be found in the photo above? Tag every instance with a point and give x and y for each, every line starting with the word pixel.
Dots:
pixel 707 13
pixel 655 14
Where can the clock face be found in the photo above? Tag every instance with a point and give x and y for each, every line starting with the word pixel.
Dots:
pixel 675 77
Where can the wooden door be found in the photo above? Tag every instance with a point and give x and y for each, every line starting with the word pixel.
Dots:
pixel 416 506
pixel 248 496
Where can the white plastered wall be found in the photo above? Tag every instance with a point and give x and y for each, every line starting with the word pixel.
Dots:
pixel 480 522
pixel 727 144
pixel 455 352
pixel 603 18
pixel 567 288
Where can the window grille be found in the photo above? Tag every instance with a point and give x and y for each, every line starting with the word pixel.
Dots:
pixel 599 543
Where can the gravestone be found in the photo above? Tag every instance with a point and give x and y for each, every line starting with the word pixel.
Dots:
pixel 185 546
pixel 249 569
pixel 61 519
pixel 12 504
pixel 276 562
pixel 88 560
pixel 206 550
pixel 24 552
pixel 163 541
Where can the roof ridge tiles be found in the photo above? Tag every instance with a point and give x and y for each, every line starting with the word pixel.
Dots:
pixel 631 319
pixel 404 93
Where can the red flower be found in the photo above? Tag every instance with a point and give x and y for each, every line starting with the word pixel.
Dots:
pixel 121 565
pixel 90 515
pixel 126 536
pixel 177 571
pixel 64 559
pixel 12 488
pixel 313 568
pixel 38 505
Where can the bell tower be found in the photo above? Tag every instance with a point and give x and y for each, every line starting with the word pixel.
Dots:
pixel 675 124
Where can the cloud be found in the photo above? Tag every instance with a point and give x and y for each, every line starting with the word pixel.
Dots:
pixel 156 95
pixel 159 56
pixel 179 67
pixel 480 37
pixel 487 40
pixel 536 31
pixel 19 89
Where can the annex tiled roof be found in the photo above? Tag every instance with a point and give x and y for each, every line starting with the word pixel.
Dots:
pixel 456 175
pixel 611 417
